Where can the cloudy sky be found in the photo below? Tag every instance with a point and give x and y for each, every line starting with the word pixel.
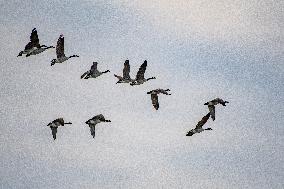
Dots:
pixel 199 49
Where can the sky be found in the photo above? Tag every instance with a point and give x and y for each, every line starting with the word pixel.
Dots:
pixel 199 49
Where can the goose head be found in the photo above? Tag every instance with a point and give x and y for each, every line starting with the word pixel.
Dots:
pixel 53 61
pixel 151 78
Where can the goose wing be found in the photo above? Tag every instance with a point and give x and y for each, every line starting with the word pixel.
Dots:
pixel 34 38
pixel 126 70
pixel 59 121
pixel 60 47
pixel 212 111
pixel 99 117
pixel 93 130
pixel 118 77
pixel 94 67
pixel 221 101
pixel 53 131
pixel 141 71
pixel 84 74
pixel 163 91
pixel 34 41
pixel 155 101
pixel 202 121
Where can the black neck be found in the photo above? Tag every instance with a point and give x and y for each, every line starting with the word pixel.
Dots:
pixel 151 78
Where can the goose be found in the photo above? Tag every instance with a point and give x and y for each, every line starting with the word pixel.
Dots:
pixel 126 77
pixel 198 128
pixel 211 106
pixel 60 52
pixel 154 96
pixel 55 124
pixel 140 79
pixel 94 121
pixel 93 72
pixel 32 45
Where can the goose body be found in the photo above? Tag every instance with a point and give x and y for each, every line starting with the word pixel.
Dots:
pixel 55 124
pixel 140 79
pixel 126 77
pixel 39 50
pixel 198 128
pixel 32 45
pixel 93 72
pixel 94 121
pixel 61 57
pixel 211 106
pixel 154 96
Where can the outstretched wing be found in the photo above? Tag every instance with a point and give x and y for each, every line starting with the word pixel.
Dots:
pixel 155 102
pixel 141 71
pixel 34 41
pixel 163 91
pixel 53 131
pixel 60 47
pixel 59 121
pixel 118 77
pixel 212 111
pixel 94 67
pixel 84 74
pixel 99 117
pixel 126 70
pixel 34 38
pixel 202 121
pixel 93 130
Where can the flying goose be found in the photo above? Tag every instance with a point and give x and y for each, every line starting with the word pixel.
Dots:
pixel 154 96
pixel 32 45
pixel 198 128
pixel 140 79
pixel 94 121
pixel 60 52
pixel 93 72
pixel 55 124
pixel 126 77
pixel 211 106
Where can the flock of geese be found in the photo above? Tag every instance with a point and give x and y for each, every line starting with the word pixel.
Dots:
pixel 34 48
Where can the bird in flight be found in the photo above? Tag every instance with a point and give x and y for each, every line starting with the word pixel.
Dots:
pixel 55 124
pixel 154 96
pixel 94 121
pixel 140 79
pixel 60 52
pixel 33 47
pixel 93 72
pixel 126 77
pixel 198 128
